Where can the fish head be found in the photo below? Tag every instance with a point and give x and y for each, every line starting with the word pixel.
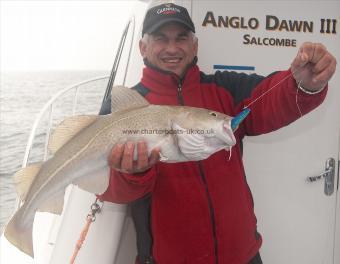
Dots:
pixel 203 132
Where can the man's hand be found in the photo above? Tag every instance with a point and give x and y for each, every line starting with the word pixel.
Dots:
pixel 121 157
pixel 313 66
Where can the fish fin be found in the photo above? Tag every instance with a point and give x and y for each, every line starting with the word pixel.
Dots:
pixel 20 237
pixel 67 129
pixel 191 145
pixel 125 98
pixel 23 179
pixel 54 204
pixel 97 182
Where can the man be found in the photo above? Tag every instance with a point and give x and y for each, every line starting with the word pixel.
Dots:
pixel 202 212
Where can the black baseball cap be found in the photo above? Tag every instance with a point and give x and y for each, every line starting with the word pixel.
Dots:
pixel 159 15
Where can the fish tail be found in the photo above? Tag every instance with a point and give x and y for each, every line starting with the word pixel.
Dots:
pixel 20 236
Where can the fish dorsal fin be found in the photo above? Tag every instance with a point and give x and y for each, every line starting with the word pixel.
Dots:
pixel 23 179
pixel 54 204
pixel 68 129
pixel 124 98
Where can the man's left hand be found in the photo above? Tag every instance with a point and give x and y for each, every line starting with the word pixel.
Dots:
pixel 313 66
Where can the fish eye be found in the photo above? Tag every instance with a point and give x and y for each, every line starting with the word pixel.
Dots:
pixel 213 113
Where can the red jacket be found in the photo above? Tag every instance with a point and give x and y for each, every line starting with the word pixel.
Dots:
pixel 203 212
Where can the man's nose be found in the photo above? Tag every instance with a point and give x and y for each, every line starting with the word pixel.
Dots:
pixel 172 47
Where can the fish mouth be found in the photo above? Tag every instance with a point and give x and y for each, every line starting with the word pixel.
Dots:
pixel 229 135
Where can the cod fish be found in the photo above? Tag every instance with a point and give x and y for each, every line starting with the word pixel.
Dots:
pixel 81 144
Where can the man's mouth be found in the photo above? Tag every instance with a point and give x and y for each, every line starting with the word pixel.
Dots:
pixel 172 60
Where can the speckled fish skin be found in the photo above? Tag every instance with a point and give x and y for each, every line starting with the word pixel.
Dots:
pixel 85 155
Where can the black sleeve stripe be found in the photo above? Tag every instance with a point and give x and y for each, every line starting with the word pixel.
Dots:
pixel 141 89
pixel 239 85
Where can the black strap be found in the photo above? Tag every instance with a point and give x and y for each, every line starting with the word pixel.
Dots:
pixel 256 260
pixel 140 211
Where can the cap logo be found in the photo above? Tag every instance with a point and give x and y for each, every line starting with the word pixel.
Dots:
pixel 168 10
pixel 159 15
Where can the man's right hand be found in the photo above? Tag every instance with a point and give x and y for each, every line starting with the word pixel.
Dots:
pixel 121 157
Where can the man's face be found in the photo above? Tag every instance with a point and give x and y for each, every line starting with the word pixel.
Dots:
pixel 170 48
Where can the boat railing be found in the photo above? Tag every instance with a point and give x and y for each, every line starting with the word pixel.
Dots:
pixel 48 109
pixel 111 80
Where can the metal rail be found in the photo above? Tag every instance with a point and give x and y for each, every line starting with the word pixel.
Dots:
pixel 49 105
pixel 119 55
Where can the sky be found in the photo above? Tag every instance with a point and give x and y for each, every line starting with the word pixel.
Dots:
pixel 60 35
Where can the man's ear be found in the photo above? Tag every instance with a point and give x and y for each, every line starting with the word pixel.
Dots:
pixel 196 47
pixel 142 48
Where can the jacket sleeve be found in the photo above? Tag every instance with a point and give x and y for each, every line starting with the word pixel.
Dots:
pixel 274 101
pixel 125 188
pixel 280 106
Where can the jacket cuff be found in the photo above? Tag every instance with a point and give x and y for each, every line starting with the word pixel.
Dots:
pixel 306 91
pixel 300 90
pixel 125 188
pixel 306 101
pixel 142 178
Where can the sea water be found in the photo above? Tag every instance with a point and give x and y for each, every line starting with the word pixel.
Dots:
pixel 22 95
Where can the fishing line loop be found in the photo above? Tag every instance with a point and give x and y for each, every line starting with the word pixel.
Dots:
pixel 296 97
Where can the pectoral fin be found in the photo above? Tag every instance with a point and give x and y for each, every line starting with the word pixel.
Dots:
pixel 68 129
pixel 96 182
pixel 190 144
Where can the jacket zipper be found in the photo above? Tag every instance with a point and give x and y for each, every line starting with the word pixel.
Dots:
pixel 211 209
pixel 202 174
pixel 179 93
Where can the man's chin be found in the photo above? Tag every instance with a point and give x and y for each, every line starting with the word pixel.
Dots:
pixel 174 70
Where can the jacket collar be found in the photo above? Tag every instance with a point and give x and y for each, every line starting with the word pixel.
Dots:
pixel 167 83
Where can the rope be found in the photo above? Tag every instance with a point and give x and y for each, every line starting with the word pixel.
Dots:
pixel 81 239
pixel 90 218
